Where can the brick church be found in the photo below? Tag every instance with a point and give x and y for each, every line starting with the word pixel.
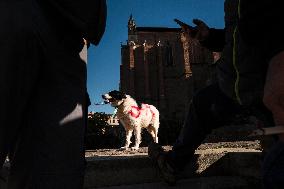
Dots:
pixel 164 67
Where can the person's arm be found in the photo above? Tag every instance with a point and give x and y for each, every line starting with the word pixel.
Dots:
pixel 259 27
pixel 215 41
pixel 274 89
pixel 96 27
pixel 86 17
pixel 210 38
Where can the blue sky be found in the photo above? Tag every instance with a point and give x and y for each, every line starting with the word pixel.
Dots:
pixel 104 60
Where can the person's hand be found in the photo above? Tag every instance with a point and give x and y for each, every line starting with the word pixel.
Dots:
pixel 202 30
pixel 199 32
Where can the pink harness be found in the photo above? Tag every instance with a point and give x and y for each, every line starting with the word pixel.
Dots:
pixel 136 111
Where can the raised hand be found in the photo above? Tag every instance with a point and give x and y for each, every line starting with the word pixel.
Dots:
pixel 199 32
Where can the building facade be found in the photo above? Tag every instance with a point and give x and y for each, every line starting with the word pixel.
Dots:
pixel 163 67
pixel 113 120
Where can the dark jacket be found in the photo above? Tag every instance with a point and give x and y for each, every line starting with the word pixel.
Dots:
pixel 245 56
pixel 84 18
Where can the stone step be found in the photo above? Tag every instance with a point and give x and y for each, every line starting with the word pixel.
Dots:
pixel 233 169
pixel 132 169
pixel 214 163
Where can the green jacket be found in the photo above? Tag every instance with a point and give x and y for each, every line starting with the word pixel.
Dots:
pixel 246 46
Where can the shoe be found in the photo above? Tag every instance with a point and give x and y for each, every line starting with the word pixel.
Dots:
pixel 165 166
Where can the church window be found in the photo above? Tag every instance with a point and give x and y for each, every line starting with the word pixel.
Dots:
pixel 169 54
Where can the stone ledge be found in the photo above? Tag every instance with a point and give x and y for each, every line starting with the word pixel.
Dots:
pixel 138 168
pixel 226 156
pixel 226 164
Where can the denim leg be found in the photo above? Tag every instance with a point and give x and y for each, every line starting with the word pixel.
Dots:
pixel 209 109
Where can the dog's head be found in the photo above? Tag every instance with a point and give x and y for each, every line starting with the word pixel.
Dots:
pixel 114 98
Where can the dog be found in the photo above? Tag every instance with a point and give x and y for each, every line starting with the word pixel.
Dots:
pixel 133 117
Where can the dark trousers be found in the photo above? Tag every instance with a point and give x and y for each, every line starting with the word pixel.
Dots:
pixel 273 167
pixel 42 101
pixel 209 109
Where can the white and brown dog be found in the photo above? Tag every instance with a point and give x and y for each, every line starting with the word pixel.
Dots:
pixel 133 117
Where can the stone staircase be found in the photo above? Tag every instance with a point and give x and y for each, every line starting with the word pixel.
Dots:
pixel 218 164
pixel 215 167
pixel 212 168
pixel 227 159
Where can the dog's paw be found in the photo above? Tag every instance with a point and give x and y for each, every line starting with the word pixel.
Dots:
pixel 135 148
pixel 123 148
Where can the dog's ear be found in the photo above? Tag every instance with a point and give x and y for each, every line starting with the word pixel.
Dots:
pixel 114 93
pixel 123 95
pixel 118 95
pixel 139 103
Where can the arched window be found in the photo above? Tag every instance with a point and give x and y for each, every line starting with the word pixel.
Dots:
pixel 169 54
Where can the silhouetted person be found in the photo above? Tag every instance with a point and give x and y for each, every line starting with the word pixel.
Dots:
pixel 250 72
pixel 43 89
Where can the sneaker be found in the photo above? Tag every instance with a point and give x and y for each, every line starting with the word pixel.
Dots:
pixel 165 166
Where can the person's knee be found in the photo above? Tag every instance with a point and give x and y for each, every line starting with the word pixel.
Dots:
pixel 274 88
pixel 268 101
pixel 274 102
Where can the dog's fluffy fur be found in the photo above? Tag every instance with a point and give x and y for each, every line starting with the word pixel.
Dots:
pixel 134 118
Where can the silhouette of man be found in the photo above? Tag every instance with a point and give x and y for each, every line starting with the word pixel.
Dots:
pixel 43 89
pixel 250 77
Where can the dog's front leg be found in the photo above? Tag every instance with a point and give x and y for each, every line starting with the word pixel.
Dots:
pixel 128 138
pixel 137 133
